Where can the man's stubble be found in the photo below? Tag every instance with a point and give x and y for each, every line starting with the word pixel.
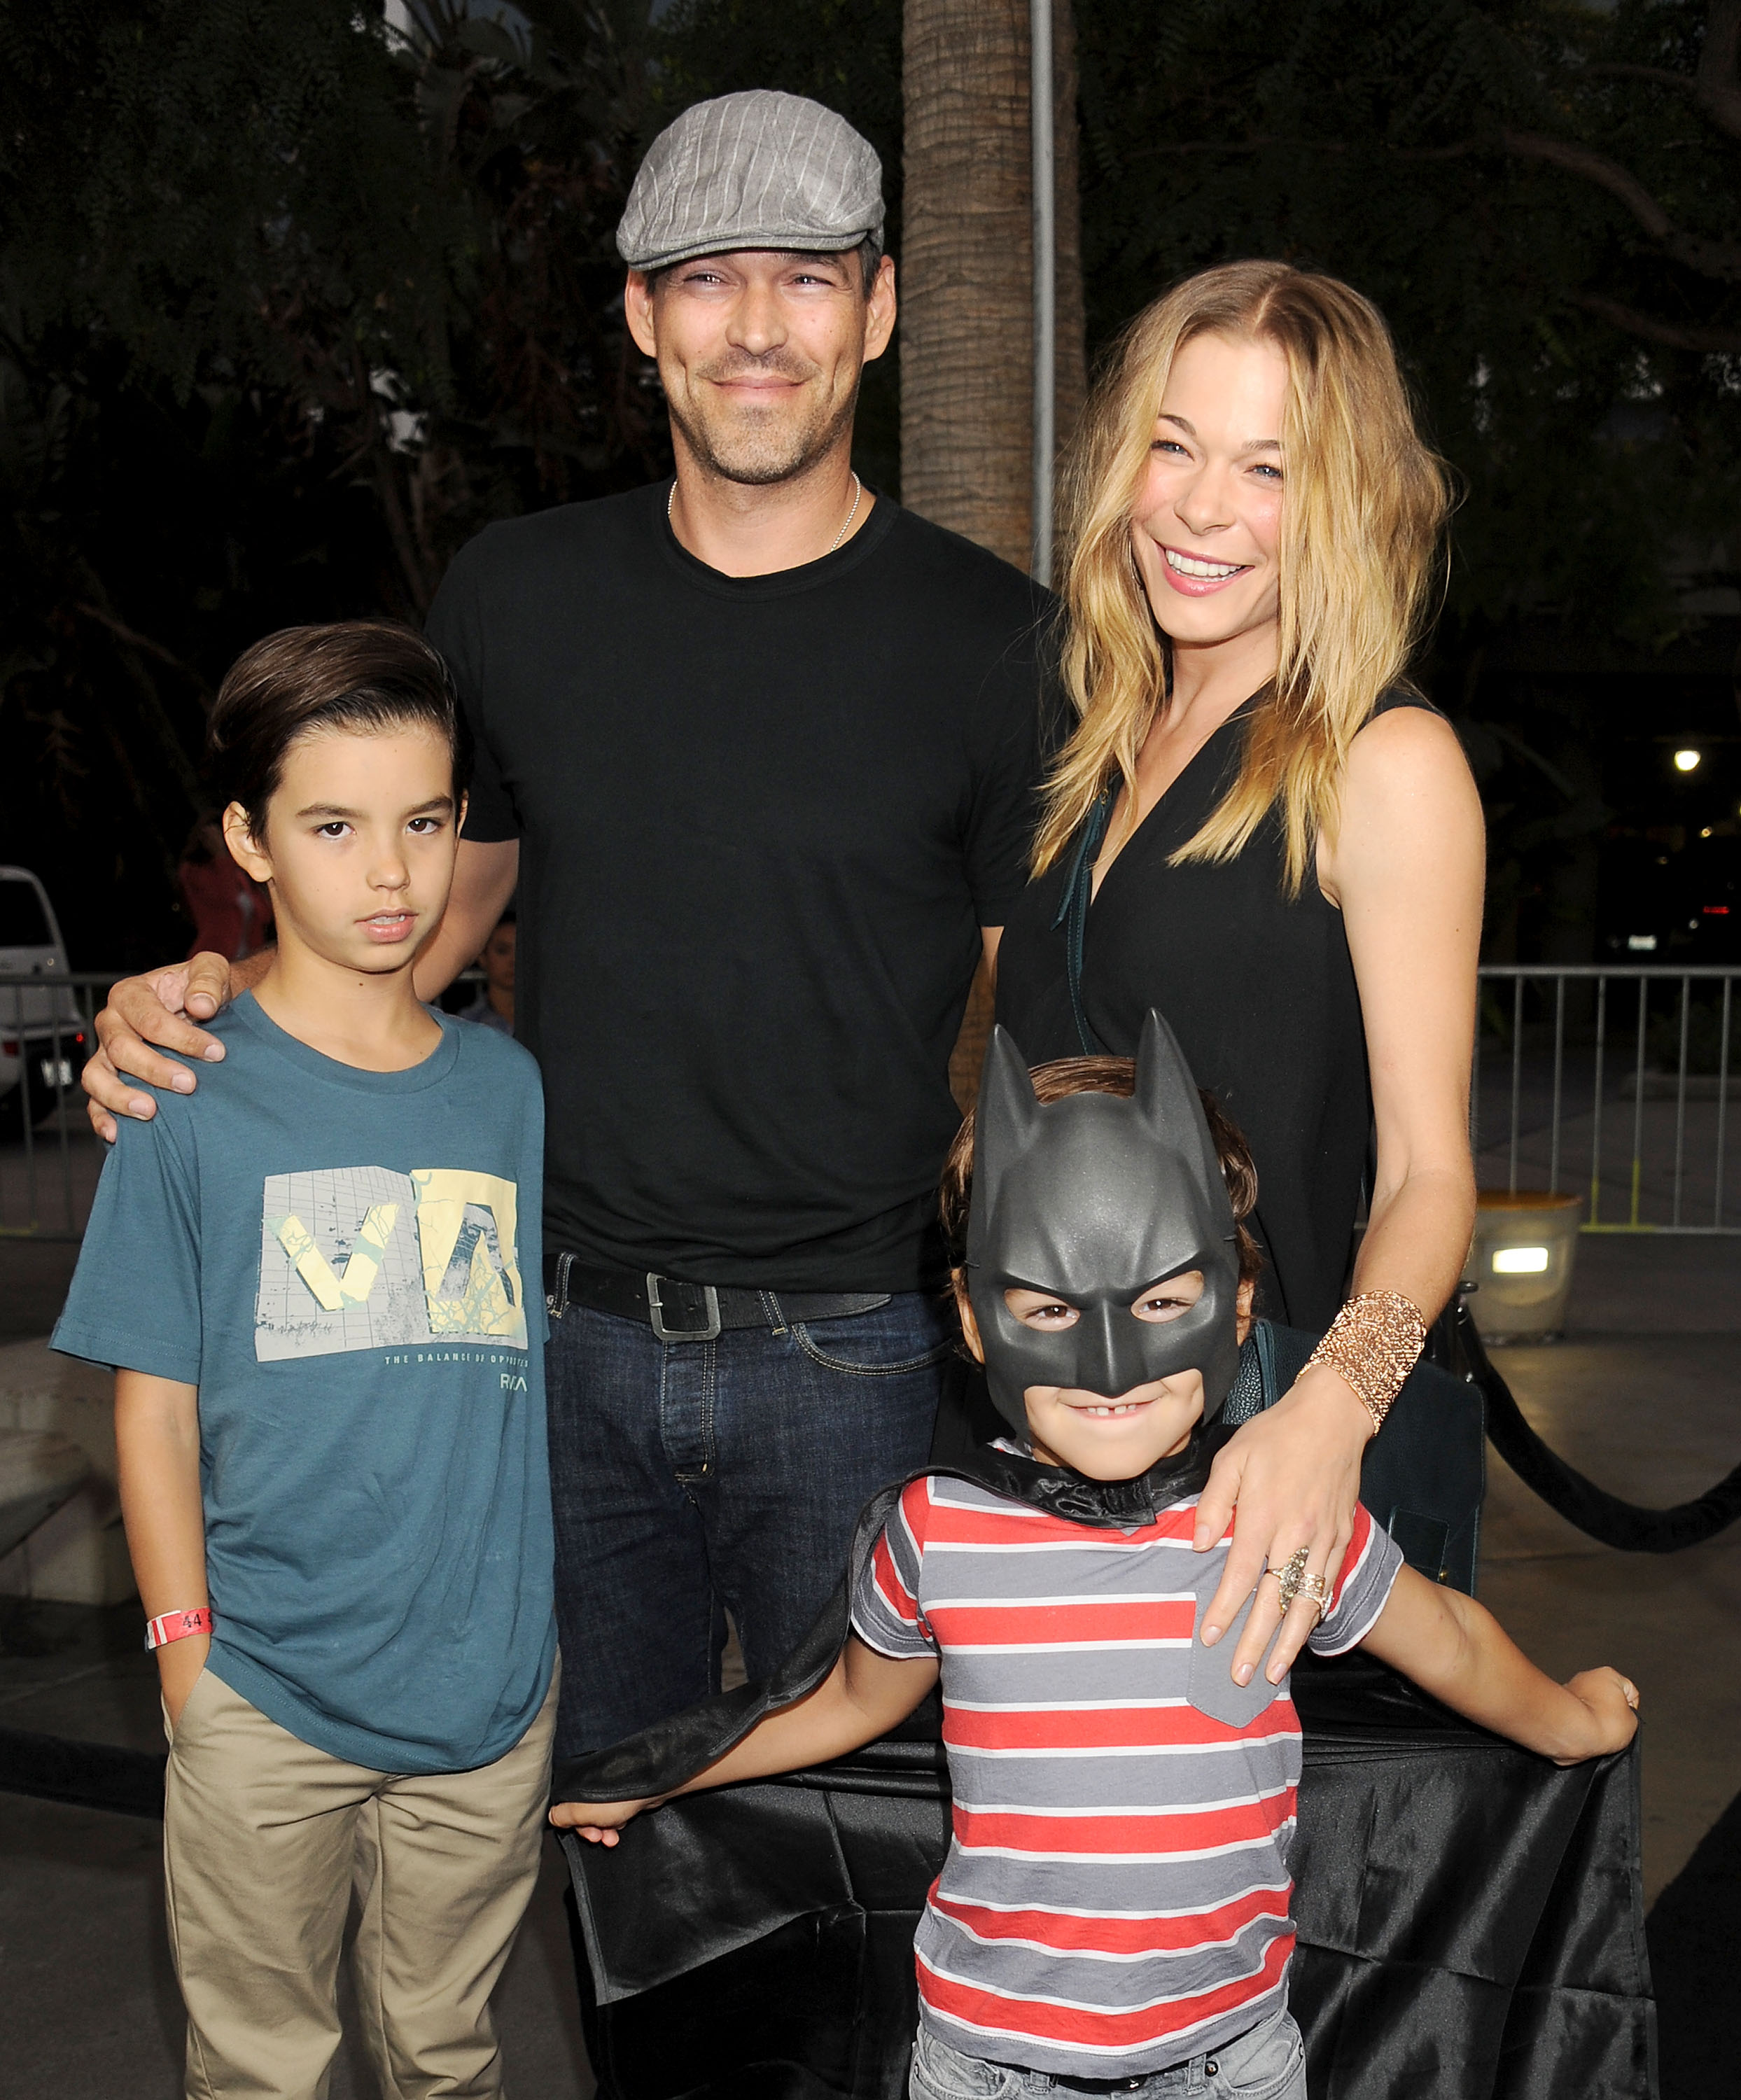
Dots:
pixel 757 447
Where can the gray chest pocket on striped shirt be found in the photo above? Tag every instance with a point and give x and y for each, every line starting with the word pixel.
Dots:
pixel 1209 1687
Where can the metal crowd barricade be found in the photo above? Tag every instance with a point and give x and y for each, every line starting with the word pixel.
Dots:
pixel 49 1157
pixel 1611 1081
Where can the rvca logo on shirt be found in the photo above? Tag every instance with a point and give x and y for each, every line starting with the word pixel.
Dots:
pixel 363 1258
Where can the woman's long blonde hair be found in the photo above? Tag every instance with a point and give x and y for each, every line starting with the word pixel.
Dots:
pixel 1364 506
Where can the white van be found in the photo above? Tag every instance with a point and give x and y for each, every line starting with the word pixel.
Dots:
pixel 42 1040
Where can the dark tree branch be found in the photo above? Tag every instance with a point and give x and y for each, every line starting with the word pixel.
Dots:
pixel 1715 86
pixel 1652 330
pixel 143 642
pixel 1459 152
pixel 1710 258
pixel 1659 76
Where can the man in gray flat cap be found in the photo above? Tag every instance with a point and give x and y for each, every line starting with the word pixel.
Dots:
pixel 761 749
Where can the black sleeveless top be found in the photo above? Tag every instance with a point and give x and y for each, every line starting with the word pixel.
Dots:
pixel 1260 992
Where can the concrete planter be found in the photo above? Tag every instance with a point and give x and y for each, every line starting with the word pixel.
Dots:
pixel 78 1554
pixel 1521 1259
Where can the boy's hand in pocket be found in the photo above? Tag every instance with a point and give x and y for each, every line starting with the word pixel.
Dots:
pixel 179 1664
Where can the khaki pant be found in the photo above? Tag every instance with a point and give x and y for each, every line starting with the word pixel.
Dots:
pixel 265 1841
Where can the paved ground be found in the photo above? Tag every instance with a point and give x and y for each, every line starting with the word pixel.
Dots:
pixel 1655 1420
pixel 88 2009
pixel 1645 1396
pixel 34 1279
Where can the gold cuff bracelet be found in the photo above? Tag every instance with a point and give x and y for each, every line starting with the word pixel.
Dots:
pixel 1373 1342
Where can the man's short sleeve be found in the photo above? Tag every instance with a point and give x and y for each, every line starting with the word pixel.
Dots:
pixel 1015 729
pixel 456 627
pixel 134 1302
pixel 886 1614
pixel 1362 1590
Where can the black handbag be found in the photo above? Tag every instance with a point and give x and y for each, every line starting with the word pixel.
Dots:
pixel 1424 1476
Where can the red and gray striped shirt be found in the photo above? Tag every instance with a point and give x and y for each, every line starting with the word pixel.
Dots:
pixel 1115 1898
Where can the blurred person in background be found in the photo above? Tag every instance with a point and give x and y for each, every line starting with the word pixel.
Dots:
pixel 232 913
pixel 493 1008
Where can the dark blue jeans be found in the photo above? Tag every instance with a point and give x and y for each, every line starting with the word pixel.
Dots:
pixel 693 1478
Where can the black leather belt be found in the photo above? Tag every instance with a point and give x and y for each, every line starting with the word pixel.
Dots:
pixel 679 1312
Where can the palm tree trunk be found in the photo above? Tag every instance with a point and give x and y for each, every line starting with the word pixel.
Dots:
pixel 967 296
pixel 967 267
pixel 967 275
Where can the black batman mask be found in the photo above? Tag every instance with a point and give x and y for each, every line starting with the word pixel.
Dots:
pixel 1098 1199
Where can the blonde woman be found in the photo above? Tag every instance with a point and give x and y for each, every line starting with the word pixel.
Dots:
pixel 1259 826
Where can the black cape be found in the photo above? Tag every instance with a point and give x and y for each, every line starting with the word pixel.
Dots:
pixel 1470 1917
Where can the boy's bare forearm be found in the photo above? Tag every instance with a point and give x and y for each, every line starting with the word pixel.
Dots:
pixel 862 1698
pixel 157 1452
pixel 1451 1647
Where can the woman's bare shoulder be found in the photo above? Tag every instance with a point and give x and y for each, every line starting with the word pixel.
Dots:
pixel 1405 741
pixel 1408 799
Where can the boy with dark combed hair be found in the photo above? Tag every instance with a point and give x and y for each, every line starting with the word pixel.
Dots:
pixel 320 1293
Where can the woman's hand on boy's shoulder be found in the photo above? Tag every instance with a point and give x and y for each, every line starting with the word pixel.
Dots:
pixel 1610 1704
pixel 158 1006
pixel 599 1821
pixel 1288 1478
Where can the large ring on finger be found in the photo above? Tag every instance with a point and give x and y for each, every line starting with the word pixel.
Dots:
pixel 1291 1578
pixel 1317 1588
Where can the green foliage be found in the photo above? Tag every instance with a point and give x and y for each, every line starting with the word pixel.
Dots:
pixel 1370 139
pixel 1582 375
pixel 289 308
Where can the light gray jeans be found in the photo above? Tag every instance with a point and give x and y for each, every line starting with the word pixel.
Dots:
pixel 1266 2063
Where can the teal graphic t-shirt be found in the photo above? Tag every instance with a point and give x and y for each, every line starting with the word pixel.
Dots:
pixel 347 1265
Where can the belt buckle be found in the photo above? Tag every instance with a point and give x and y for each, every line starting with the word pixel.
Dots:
pixel 710 1299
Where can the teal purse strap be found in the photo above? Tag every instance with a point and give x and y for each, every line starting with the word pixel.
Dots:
pixel 1264 1335
pixel 1072 914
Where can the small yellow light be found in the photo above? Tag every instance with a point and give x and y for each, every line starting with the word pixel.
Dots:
pixel 1686 761
pixel 1519 1260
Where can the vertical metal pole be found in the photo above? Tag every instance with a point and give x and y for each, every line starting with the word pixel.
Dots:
pixel 29 1111
pixel 1601 1026
pixel 1638 1157
pixel 1041 100
pixel 1722 1101
pixel 65 1047
pixel 1559 1074
pixel 1517 1076
pixel 1680 1098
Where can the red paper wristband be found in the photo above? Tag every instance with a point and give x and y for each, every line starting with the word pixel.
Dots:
pixel 174 1626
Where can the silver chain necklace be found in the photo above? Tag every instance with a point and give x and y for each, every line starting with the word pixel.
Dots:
pixel 858 490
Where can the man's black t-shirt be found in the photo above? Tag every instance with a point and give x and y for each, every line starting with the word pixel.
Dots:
pixel 762 820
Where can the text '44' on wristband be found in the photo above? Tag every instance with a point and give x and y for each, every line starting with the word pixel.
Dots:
pixel 174 1626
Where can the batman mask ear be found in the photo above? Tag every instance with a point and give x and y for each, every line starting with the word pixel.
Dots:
pixel 1167 1100
pixel 1005 1120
